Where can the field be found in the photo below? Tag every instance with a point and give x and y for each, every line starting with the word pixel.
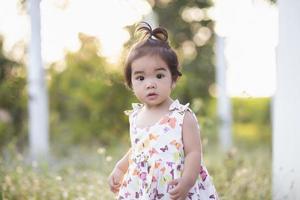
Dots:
pixel 80 173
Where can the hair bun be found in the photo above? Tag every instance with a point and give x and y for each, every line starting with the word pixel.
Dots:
pixel 158 33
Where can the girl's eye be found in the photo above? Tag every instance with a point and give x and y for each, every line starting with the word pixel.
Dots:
pixel 140 78
pixel 159 76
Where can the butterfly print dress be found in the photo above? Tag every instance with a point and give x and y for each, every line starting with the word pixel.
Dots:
pixel 157 157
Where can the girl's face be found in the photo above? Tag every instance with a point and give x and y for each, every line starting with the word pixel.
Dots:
pixel 151 80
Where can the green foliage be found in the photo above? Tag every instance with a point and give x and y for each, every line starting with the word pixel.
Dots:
pixel 88 97
pixel 193 41
pixel 87 94
pixel 252 120
pixel 13 100
pixel 250 117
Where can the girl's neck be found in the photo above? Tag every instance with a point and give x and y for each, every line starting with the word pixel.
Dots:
pixel 162 106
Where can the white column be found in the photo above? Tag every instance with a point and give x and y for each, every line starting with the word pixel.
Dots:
pixel 38 100
pixel 223 101
pixel 286 107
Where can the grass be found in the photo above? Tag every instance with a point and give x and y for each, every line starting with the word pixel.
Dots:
pixel 241 173
pixel 80 173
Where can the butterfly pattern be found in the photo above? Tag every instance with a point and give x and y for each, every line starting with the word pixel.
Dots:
pixel 157 157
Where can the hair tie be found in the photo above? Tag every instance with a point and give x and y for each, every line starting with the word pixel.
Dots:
pixel 158 33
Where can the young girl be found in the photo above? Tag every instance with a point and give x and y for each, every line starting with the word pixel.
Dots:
pixel 165 158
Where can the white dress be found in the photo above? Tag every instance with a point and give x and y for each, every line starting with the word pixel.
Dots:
pixel 157 157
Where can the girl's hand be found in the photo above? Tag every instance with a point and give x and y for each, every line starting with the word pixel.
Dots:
pixel 181 189
pixel 115 179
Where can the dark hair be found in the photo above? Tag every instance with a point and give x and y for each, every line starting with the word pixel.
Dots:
pixel 154 42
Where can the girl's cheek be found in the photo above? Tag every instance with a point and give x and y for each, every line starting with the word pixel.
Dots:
pixel 135 85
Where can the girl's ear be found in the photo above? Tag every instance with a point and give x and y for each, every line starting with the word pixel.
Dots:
pixel 173 85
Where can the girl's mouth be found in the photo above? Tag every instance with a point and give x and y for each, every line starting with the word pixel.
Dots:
pixel 152 95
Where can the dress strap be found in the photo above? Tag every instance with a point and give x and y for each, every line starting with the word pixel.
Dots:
pixel 178 106
pixel 179 110
pixel 135 107
pixel 133 112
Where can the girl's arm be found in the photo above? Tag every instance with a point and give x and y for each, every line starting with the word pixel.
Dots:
pixel 123 163
pixel 116 176
pixel 192 149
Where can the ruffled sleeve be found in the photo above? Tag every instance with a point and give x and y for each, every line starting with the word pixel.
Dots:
pixel 180 107
pixel 135 107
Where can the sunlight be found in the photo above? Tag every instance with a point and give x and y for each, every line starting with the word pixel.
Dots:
pixel 103 19
pixel 192 14
pixel 249 25
pixel 13 25
pixel 61 25
pixel 250 28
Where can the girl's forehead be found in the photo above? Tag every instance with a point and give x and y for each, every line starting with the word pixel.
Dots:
pixel 148 63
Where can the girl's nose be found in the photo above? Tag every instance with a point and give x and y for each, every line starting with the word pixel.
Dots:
pixel 150 84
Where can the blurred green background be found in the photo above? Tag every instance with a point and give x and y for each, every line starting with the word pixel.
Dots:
pixel 89 131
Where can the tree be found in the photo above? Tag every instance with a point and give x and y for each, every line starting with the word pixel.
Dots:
pixel 88 97
pixel 12 99
pixel 191 34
